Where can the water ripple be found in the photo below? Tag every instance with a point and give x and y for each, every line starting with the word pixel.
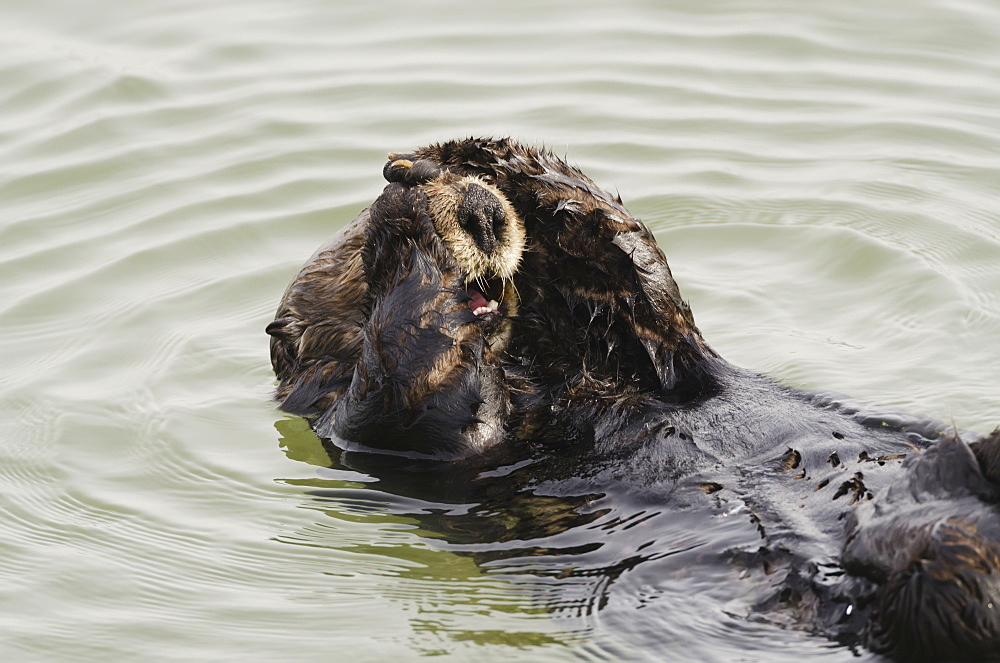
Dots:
pixel 827 173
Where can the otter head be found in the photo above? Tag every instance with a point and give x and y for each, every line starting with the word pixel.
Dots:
pixel 486 237
pixel 426 378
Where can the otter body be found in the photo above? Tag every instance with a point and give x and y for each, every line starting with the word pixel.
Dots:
pixel 494 298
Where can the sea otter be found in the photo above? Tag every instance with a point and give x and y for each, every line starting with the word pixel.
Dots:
pixel 884 529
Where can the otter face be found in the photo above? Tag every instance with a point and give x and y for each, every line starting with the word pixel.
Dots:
pixel 486 236
pixel 425 378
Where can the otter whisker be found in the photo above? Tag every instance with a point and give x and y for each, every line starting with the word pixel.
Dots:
pixel 513 287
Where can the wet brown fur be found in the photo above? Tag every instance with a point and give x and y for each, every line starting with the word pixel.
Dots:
pixel 314 337
pixel 335 338
pixel 596 290
pixel 605 353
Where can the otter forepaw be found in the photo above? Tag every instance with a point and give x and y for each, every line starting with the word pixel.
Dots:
pixel 408 169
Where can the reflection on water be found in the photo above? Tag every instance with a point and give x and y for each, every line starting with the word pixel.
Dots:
pixel 617 571
pixel 445 534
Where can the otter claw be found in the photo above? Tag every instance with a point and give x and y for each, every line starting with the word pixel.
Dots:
pixel 408 169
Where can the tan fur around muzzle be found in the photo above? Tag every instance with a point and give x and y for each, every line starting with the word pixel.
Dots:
pixel 445 194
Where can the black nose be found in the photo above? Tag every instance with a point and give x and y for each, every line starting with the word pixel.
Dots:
pixel 481 215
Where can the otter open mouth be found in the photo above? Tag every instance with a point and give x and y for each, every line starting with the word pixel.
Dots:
pixel 494 303
pixel 485 296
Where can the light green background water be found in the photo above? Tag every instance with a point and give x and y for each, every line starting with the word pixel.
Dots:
pixel 824 178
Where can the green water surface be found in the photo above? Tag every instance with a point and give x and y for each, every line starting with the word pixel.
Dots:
pixel 824 178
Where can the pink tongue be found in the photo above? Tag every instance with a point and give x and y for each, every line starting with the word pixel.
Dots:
pixel 477 299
